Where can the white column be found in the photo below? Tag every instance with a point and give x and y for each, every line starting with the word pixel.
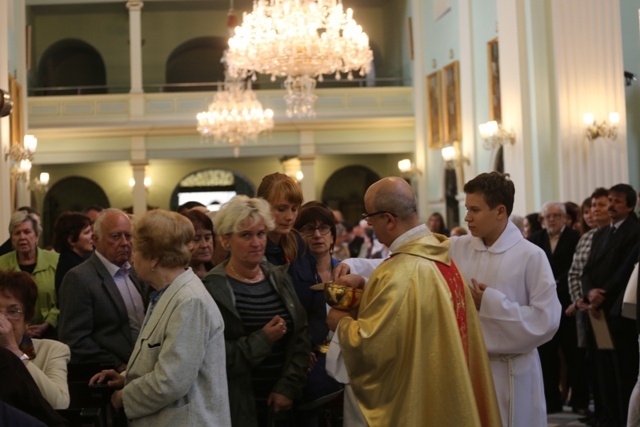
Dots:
pixel 516 99
pixel 466 171
pixel 307 166
pixel 23 194
pixel 558 60
pixel 420 108
pixel 308 184
pixel 135 45
pixel 138 167
pixel 587 49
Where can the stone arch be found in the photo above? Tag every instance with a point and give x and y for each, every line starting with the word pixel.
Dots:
pixel 72 63
pixel 73 193
pixel 196 61
pixel 345 188
pixel 211 187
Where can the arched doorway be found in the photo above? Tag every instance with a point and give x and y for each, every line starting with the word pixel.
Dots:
pixel 72 63
pixel 211 187
pixel 69 194
pixel 345 188
pixel 196 61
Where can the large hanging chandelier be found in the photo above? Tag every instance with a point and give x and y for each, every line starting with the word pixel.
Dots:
pixel 299 40
pixel 235 115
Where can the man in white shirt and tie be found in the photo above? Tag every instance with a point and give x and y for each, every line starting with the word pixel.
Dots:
pixel 101 304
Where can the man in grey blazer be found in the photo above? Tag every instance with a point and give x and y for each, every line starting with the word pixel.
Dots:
pixel 102 305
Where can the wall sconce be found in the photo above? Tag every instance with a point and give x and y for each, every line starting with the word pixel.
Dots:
pixel 495 135
pixel 147 182
pixel 408 169
pixel 606 129
pixel 452 156
pixel 21 157
pixel 40 184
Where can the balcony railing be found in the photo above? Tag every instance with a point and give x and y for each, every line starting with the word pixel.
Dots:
pixel 211 86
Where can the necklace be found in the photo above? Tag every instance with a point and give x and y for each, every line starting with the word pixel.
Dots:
pixel 259 276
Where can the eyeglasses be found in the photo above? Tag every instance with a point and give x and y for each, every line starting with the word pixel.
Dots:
pixel 366 215
pixel 12 313
pixel 553 216
pixel 309 231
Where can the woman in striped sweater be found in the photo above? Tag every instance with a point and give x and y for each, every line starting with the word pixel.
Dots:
pixel 267 347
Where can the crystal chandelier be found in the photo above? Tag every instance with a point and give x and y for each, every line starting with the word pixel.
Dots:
pixel 299 40
pixel 235 115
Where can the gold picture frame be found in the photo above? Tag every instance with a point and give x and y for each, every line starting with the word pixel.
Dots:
pixel 16 131
pixel 452 118
pixel 434 110
pixel 493 61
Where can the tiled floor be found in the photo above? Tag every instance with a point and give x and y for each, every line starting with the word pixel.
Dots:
pixel 565 418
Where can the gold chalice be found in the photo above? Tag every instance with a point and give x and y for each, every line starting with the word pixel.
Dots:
pixel 340 296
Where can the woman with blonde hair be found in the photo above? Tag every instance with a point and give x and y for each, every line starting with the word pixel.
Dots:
pixel 176 374
pixel 267 347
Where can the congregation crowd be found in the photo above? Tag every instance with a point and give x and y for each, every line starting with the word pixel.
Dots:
pixel 201 318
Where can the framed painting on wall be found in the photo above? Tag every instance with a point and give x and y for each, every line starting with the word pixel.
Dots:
pixel 495 107
pixel 434 109
pixel 452 120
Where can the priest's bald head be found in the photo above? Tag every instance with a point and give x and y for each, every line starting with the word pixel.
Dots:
pixel 390 208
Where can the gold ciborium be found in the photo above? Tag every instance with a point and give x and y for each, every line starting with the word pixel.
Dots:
pixel 339 296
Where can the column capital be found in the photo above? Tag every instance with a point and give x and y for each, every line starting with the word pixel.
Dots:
pixel 135 6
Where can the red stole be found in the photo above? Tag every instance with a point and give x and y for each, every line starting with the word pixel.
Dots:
pixel 456 286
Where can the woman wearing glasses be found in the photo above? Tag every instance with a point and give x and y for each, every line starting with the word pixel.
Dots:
pixel 46 360
pixel 317 226
pixel 203 242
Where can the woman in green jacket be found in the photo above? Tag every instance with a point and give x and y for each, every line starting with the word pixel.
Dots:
pixel 25 229
pixel 267 347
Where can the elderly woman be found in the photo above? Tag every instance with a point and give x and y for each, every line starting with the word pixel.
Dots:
pixel 25 230
pixel 176 374
pixel 46 360
pixel 265 326
pixel 73 240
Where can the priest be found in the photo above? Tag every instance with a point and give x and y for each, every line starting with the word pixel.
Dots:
pixel 414 353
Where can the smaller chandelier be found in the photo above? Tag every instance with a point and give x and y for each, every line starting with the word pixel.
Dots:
pixel 21 156
pixel 235 115
pixel 299 40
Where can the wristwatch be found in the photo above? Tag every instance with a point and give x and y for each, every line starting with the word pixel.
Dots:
pixel 24 357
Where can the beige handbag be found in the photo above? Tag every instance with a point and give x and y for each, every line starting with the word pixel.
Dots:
pixel 629 300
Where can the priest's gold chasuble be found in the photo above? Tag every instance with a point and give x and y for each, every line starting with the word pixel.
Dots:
pixel 415 356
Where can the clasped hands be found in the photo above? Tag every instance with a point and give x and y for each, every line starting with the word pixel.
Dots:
pixel 597 297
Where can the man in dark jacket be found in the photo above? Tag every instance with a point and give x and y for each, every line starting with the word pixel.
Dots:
pixel 603 289
pixel 559 243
